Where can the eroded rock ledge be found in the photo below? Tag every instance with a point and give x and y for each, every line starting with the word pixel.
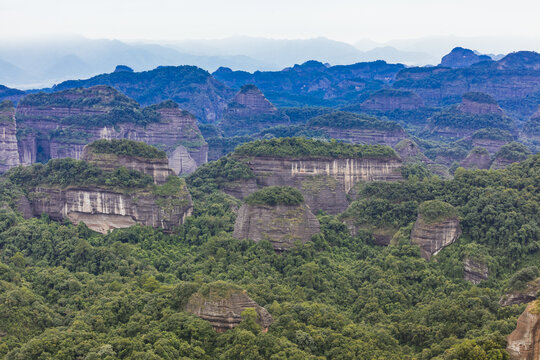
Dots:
pixel 524 342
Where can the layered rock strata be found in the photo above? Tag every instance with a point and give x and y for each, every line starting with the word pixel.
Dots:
pixel 432 238
pixel 477 158
pixel 225 312
pixel 9 153
pixel 524 342
pixel 282 225
pixel 523 296
pixel 390 100
pixel 364 136
pixel 475 271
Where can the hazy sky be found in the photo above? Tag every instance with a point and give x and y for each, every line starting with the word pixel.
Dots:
pixel 345 20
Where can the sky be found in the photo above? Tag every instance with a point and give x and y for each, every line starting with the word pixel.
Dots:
pixel 343 20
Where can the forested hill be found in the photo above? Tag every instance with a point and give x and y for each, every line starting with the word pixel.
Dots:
pixel 67 292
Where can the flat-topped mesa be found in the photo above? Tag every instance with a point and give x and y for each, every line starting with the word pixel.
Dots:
pixel 390 100
pixel 277 214
pixel 103 200
pixel 323 171
pixel 9 153
pixel 524 342
pixel 222 304
pixel 480 104
pixel 111 154
pixel 478 158
pixel 508 154
pixel 436 227
pixel 358 129
pixel 59 125
pixel 250 101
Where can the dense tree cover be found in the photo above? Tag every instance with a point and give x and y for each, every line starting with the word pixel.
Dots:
pixel 347 120
pixel 308 148
pixel 70 293
pixel 300 115
pixel 452 117
pixel 479 97
pixel 479 151
pixel 493 134
pixel 513 151
pixel 275 195
pixel 6 107
pixel 434 211
pixel 211 176
pixel 127 148
pixel 71 172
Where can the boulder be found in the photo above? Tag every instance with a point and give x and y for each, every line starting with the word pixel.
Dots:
pixel 475 271
pixel 524 342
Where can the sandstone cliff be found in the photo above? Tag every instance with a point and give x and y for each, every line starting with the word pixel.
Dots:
pixel 324 182
pixel 475 271
pixel 509 154
pixel 524 342
pixel 9 154
pixel 390 100
pixel 522 296
pixel 409 152
pixel 58 125
pixel 223 308
pixel 282 225
pixel 436 227
pixel 479 104
pixel 478 158
pixel 250 101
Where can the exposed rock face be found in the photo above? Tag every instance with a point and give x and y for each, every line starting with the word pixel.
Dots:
pixel 475 271
pixel 225 313
pixel 471 106
pixel 409 152
pixel 250 101
pixel 282 225
pixel 523 296
pixel 157 168
pixel 491 145
pixel 55 132
pixel 477 158
pixel 390 100
pixel 104 209
pixel 365 136
pixel 524 342
pixel 324 183
pixel 460 57
pixel 433 237
pixel 9 153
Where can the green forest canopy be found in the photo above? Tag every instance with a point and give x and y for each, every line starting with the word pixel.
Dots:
pixel 127 148
pixel 275 195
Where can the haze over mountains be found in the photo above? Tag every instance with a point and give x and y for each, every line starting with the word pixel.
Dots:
pixel 42 63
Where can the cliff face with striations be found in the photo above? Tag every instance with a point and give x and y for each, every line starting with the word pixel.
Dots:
pixel 282 225
pixel 477 158
pixel 224 312
pixel 324 183
pixel 390 100
pixel 9 154
pixel 432 237
pixel 475 271
pixel 524 342
pixel 365 136
pixel 250 101
pixel 59 125
pixel 523 296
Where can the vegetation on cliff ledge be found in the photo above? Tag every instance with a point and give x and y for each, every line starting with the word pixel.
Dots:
pixel 347 120
pixel 454 118
pixel 308 148
pixel 513 151
pixel 479 97
pixel 126 148
pixel 275 195
pixel 434 211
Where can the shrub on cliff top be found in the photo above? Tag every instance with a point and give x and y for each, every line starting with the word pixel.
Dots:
pixel 127 148
pixel 434 211
pixel 493 134
pixel 276 195
pixel 308 148
pixel 347 120
pixel 513 151
pixel 479 97
pixel 454 118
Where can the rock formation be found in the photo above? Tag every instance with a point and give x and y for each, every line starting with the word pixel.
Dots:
pixel 324 182
pixel 390 100
pixel 250 101
pixel 282 225
pixel 479 104
pixel 524 342
pixel 478 158
pixel 491 139
pixel 158 168
pixel 58 125
pixel 409 152
pixel 223 308
pixel 436 227
pixel 475 271
pixel 460 58
pixel 103 209
pixel 522 296
pixel 509 154
pixel 9 154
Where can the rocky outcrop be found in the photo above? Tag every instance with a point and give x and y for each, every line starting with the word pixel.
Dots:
pixel 409 152
pixel 282 225
pixel 365 136
pixel 9 153
pixel 479 104
pixel 436 227
pixel 104 209
pixel 224 311
pixel 509 154
pixel 460 58
pixel 390 100
pixel 52 130
pixel 522 296
pixel 524 342
pixel 478 158
pixel 475 271
pixel 250 101
pixel 157 168
pixel 324 182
